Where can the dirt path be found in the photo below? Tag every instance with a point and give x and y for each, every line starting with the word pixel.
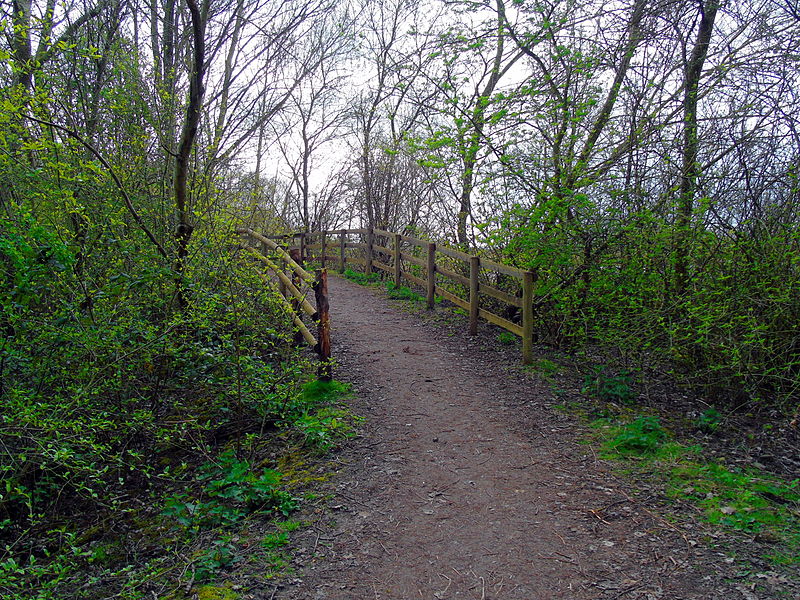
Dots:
pixel 466 484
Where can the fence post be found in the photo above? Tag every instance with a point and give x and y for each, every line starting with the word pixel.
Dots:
pixel 431 274
pixel 527 317
pixel 342 254
pixel 302 237
pixel 324 372
pixel 398 268
pixel 370 242
pixel 474 301
pixel 324 247
pixel 297 256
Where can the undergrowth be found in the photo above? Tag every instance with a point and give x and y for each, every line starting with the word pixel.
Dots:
pixel 741 500
pixel 361 278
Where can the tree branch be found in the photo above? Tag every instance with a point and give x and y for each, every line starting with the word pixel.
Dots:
pixel 117 181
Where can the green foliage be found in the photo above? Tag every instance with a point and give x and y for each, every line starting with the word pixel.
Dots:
pixel 232 490
pixel 275 540
pixel 544 367
pixel 223 553
pixel 361 278
pixel 606 276
pixel 319 392
pixel 323 428
pixel 102 373
pixel 644 435
pixel 610 388
pixel 748 500
pixel 402 292
pixel 507 338
pixel 320 424
pixel 709 421
pixel 216 592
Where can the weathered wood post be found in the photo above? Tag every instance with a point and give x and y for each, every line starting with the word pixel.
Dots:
pixel 398 268
pixel 324 235
pixel 370 244
pixel 322 317
pixel 474 301
pixel 342 251
pixel 527 317
pixel 431 274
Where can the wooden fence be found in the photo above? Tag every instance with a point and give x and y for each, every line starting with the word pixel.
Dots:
pixel 420 262
pixel 291 286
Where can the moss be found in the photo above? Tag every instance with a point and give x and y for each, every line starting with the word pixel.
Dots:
pixel 297 473
pixel 216 592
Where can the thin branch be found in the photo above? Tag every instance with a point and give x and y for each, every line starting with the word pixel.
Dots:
pixel 109 168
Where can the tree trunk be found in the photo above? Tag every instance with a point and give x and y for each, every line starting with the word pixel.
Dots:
pixel 183 231
pixel 690 171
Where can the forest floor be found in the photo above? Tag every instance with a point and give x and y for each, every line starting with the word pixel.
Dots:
pixel 467 481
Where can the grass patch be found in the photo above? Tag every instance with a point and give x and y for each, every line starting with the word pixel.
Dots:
pixel 323 392
pixel 745 501
pixel 402 292
pixel 507 338
pixel 545 368
pixel 605 385
pixel 361 278
pixel 317 420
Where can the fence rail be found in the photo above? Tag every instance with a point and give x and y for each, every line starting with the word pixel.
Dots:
pixel 423 263
pixel 291 287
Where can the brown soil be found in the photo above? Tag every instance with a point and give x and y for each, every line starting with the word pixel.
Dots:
pixel 465 483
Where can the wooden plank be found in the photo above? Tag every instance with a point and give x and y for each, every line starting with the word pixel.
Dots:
pixel 383 249
pixel 453 253
pixel 414 279
pixel 382 266
pixel 500 322
pixel 307 335
pixel 452 298
pixel 356 261
pixel 415 241
pixel 413 259
pixel 305 304
pixel 280 251
pixel 355 245
pixel 327 258
pixel 453 275
pixel 500 295
pixel 496 266
pixel 383 232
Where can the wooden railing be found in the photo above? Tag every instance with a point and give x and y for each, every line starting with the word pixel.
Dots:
pixel 292 288
pixel 407 258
